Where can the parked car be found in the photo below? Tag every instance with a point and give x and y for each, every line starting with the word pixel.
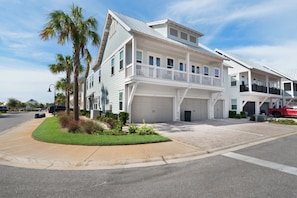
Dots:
pixel 53 109
pixel 285 111
pixel 3 109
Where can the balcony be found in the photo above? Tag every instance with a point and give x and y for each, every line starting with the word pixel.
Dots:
pixel 260 89
pixel 161 73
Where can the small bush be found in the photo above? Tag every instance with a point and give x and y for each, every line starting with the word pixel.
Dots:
pixel 123 117
pixel 74 127
pixel 91 127
pixel 237 116
pixel 132 129
pixel 243 114
pixel 64 119
pixel 109 114
pixel 232 114
pixel 284 121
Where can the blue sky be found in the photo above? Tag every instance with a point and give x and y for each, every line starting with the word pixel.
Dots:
pixel 260 30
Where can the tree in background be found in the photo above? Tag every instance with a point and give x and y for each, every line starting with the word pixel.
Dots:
pixel 64 64
pixel 72 27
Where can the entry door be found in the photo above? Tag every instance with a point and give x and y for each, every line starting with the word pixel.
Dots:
pixel 218 110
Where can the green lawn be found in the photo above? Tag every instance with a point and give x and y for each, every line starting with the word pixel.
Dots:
pixel 49 131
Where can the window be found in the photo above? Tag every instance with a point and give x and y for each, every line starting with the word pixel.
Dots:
pixel 234 104
pixel 193 68
pixel 170 63
pixel 217 72
pixel 287 86
pixel 139 57
pixel 158 61
pixel 193 39
pixel 206 71
pixel 151 60
pixel 181 66
pixel 92 80
pixel 112 66
pixel 87 84
pixel 233 81
pixel 197 70
pixel 183 36
pixel 99 76
pixel 173 32
pixel 121 101
pixel 121 59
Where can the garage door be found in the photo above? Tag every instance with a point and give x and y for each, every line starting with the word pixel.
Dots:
pixel 198 108
pixel 218 110
pixel 152 109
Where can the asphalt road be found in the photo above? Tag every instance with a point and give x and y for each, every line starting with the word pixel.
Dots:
pixel 10 119
pixel 264 170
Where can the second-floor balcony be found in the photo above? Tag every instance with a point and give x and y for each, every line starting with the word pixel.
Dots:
pixel 261 89
pixel 170 74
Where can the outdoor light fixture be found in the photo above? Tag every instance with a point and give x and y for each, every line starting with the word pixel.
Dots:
pixel 49 90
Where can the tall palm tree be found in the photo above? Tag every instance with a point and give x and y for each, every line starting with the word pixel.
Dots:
pixel 64 64
pixel 74 28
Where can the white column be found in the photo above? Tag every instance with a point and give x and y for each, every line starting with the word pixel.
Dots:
pixel 250 81
pixel 134 56
pixel 222 74
pixel 188 66
pixel 267 83
pixel 257 108
pixel 292 89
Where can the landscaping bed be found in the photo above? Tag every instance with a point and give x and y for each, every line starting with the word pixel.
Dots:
pixel 50 131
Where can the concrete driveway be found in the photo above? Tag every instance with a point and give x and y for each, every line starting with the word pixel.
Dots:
pixel 211 135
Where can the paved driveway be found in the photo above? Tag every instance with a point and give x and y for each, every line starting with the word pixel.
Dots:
pixel 212 135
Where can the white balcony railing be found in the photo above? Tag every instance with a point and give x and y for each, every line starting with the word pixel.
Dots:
pixel 161 73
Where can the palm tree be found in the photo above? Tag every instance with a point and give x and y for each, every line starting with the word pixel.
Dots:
pixel 64 64
pixel 72 28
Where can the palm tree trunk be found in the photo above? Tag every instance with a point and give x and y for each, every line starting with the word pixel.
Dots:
pixel 76 65
pixel 68 93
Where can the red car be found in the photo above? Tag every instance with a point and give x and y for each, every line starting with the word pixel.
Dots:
pixel 285 111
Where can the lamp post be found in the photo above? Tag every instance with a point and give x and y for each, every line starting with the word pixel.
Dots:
pixel 49 90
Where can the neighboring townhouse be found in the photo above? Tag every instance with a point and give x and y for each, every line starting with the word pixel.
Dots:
pixel 157 72
pixel 252 87
pixel 289 87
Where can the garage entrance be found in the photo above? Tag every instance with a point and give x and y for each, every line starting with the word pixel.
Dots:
pixel 198 108
pixel 250 108
pixel 218 110
pixel 152 109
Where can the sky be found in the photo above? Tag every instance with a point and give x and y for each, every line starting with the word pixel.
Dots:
pixel 263 31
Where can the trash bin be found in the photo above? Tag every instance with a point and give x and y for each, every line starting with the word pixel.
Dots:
pixel 188 116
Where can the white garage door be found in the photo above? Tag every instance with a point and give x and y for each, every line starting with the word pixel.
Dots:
pixel 218 110
pixel 152 109
pixel 198 108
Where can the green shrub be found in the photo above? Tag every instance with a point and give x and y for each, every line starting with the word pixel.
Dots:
pixel 74 127
pixel 123 117
pixel 243 114
pixel 109 114
pixel 132 129
pixel 284 121
pixel 237 116
pixel 232 114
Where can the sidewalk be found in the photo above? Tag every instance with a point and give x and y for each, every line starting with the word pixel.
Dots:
pixel 18 148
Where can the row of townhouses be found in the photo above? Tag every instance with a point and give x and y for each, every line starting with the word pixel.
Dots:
pixel 159 72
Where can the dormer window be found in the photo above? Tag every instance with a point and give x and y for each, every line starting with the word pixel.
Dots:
pixel 183 36
pixel 193 39
pixel 173 32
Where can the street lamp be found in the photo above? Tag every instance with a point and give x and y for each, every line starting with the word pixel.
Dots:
pixel 49 90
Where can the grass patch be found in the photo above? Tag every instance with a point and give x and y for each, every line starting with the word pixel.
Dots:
pixel 283 121
pixel 50 131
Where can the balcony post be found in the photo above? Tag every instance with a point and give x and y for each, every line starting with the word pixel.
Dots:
pixel 133 57
pixel 188 66
pixel 250 81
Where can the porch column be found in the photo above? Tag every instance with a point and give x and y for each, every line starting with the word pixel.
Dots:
pixel 257 108
pixel 292 89
pixel 250 80
pixel 188 66
pixel 267 83
pixel 222 74
pixel 134 48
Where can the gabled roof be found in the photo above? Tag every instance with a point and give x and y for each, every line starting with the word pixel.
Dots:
pixel 280 73
pixel 139 27
pixel 247 63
